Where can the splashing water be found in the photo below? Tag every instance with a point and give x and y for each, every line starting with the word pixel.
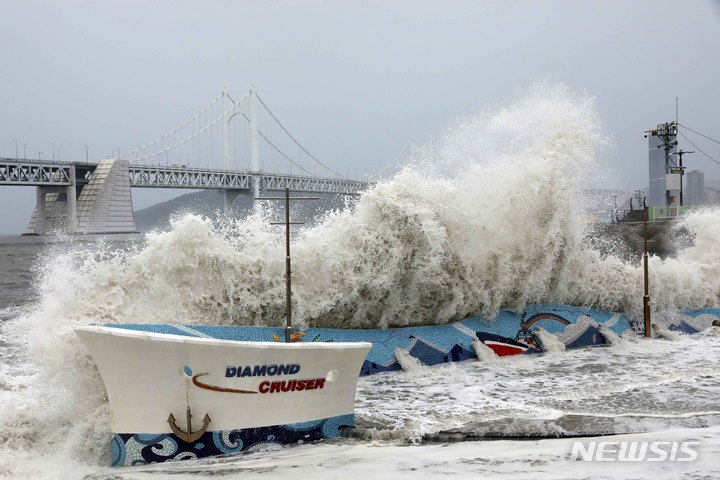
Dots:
pixel 663 332
pixel 711 332
pixel 407 361
pixel 497 225
pixel 550 343
pixel 611 337
pixel 484 353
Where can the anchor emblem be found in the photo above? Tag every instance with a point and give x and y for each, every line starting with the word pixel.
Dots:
pixel 188 436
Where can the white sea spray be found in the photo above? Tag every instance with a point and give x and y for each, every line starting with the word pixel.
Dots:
pixel 484 353
pixel 550 342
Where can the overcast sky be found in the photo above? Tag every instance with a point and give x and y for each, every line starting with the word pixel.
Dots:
pixel 353 80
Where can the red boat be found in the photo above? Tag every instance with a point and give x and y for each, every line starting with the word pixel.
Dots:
pixel 503 346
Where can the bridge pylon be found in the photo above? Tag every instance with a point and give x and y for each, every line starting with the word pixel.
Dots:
pixel 55 210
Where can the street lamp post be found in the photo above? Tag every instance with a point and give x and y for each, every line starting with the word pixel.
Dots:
pixel 16 148
pixel 25 150
pixel 39 155
pixel 680 154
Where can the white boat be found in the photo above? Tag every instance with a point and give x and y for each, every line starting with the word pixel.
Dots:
pixel 176 397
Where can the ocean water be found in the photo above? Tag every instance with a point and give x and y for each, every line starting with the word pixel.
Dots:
pixel 494 223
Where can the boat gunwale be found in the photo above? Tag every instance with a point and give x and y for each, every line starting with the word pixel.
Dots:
pixel 173 338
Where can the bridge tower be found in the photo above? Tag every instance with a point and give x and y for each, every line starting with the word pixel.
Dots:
pixel 233 110
pixel 254 159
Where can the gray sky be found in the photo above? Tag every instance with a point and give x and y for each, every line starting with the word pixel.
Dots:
pixel 353 80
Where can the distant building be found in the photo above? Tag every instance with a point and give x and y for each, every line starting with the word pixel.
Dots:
pixel 695 188
pixel 656 194
pixel 712 196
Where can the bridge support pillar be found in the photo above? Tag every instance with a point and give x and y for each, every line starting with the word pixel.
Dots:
pixel 71 202
pixel 229 197
pixel 40 210
pixel 55 211
pixel 256 181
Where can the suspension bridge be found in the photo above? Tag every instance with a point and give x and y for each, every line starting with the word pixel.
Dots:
pixel 238 147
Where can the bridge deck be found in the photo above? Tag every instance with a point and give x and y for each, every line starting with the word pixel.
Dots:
pixel 48 173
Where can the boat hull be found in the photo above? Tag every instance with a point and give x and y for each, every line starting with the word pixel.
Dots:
pixel 141 449
pixel 505 348
pixel 251 392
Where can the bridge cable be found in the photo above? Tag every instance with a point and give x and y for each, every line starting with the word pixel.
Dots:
pixel 230 98
pixel 225 114
pixel 276 148
pixel 295 141
pixel 397 157
pixel 432 142
pixel 281 153
pixel 207 107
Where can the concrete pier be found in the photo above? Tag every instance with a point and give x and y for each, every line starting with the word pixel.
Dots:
pixel 104 205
